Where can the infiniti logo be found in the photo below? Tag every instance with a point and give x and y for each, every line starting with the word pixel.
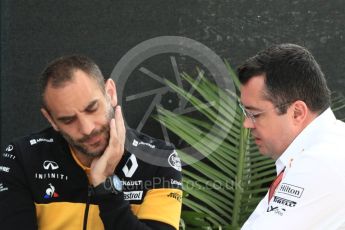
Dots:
pixel 50 165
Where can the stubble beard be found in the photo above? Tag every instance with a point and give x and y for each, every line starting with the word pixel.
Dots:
pixel 79 144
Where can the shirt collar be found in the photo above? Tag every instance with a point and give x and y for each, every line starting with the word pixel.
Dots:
pixel 304 140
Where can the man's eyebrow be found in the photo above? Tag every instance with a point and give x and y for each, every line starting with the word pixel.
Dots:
pixel 249 107
pixel 66 118
pixel 91 105
pixel 88 108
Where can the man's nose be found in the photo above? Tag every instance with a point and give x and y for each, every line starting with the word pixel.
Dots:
pixel 248 123
pixel 86 125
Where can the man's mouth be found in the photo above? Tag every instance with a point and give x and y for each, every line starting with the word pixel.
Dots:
pixel 93 140
pixel 257 141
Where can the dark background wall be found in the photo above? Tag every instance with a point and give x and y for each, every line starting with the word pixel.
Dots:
pixel 35 32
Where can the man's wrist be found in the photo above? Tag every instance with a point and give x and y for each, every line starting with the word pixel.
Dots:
pixel 111 185
pixel 97 181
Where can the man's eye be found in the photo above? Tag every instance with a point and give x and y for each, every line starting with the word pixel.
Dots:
pixel 92 108
pixel 67 121
pixel 256 115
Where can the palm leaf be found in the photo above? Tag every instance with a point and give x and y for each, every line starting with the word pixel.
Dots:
pixel 221 185
pixel 338 105
pixel 227 184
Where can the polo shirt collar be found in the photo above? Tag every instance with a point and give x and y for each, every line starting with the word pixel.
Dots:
pixel 305 139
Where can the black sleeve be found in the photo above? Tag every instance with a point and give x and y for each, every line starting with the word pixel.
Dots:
pixel 116 213
pixel 17 209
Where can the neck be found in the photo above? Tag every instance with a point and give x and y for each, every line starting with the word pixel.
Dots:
pixel 82 158
pixel 310 118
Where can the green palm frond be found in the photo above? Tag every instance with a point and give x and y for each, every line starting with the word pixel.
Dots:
pixel 338 105
pixel 227 184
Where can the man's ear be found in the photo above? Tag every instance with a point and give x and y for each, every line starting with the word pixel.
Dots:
pixel 49 118
pixel 110 90
pixel 300 112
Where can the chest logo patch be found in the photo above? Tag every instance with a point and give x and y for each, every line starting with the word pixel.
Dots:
pixel 130 166
pixel 50 165
pixel 50 192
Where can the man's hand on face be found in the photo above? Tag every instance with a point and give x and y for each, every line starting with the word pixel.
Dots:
pixel 104 166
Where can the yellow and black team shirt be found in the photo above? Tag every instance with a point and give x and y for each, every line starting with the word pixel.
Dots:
pixel 43 186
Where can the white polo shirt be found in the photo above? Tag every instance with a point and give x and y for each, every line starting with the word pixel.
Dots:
pixel 311 194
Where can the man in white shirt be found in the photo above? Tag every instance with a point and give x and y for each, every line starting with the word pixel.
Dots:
pixel 286 101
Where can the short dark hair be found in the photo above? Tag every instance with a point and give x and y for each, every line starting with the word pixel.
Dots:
pixel 61 70
pixel 291 73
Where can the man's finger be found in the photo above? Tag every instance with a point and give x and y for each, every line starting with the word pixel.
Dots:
pixel 120 124
pixel 113 136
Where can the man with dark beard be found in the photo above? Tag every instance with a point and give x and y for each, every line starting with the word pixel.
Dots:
pixel 87 171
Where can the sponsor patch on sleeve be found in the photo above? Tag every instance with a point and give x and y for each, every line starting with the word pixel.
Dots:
pixel 9 148
pixel 3 188
pixel 4 169
pixel 175 161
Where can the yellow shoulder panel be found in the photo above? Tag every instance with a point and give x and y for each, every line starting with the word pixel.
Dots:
pixel 162 205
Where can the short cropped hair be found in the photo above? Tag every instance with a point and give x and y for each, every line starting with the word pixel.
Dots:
pixel 61 70
pixel 291 74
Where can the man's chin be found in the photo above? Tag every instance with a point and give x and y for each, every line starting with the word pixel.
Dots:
pixel 262 150
pixel 265 152
pixel 95 152
pixel 91 151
